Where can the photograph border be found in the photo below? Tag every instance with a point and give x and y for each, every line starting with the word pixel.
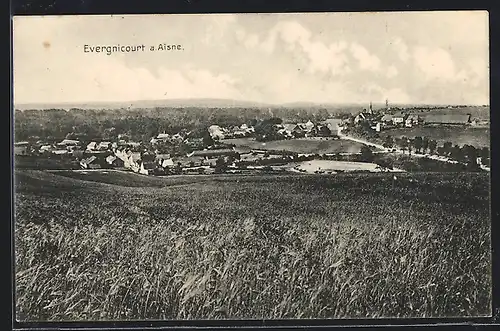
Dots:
pixel 84 7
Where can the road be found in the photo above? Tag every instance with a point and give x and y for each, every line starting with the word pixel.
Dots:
pixel 400 151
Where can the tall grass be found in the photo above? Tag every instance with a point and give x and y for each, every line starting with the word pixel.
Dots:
pixel 291 247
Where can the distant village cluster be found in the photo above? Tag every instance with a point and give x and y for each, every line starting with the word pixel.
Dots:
pixel 212 150
pixel 180 152
pixel 385 119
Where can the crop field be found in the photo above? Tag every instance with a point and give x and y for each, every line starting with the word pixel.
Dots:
pixel 304 145
pixel 478 137
pixel 238 246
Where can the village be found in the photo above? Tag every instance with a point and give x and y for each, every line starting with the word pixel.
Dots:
pixel 214 152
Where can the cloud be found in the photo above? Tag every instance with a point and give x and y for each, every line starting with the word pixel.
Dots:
pixel 435 63
pixel 401 49
pixel 217 26
pixel 391 71
pixel 249 40
pixel 366 61
pixel 108 78
pixel 319 57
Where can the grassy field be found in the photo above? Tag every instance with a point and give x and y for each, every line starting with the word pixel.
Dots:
pixel 304 145
pixel 478 137
pixel 295 246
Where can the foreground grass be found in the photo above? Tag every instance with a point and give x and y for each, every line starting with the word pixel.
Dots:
pixel 253 247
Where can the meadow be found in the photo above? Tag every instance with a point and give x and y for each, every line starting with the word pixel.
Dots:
pixel 303 145
pixel 478 137
pixel 251 247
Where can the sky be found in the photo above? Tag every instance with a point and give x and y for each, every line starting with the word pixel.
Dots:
pixel 405 57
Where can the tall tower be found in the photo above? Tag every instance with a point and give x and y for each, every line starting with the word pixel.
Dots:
pixel 371 108
pixel 387 104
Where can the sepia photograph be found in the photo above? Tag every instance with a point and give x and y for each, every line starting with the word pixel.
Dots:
pixel 251 166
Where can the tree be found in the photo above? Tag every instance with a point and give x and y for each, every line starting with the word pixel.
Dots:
pixel 432 146
pixel 403 143
pixel 324 131
pixel 471 153
pixel 220 164
pixel 418 144
pixel 366 154
pixel 388 142
pixel 207 139
pixel 447 146
pixel 456 153
pixel 425 144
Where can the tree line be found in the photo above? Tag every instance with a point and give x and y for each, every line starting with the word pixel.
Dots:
pixel 146 122
pixel 422 145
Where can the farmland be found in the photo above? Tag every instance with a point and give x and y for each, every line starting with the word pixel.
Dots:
pixel 226 246
pixel 305 145
pixel 477 137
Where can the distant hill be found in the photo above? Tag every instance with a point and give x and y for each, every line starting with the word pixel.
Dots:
pixel 202 103
pixel 210 103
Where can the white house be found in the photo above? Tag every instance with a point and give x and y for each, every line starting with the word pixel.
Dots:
pixel 147 168
pixel 92 146
pixel 216 131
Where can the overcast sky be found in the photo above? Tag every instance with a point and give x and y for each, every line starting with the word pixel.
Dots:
pixel 412 57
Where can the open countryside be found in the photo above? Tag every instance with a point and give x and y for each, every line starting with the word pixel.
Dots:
pixel 262 246
pixel 308 166
pixel 327 190
pixel 478 137
pixel 301 145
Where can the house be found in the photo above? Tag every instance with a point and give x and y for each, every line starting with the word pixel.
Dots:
pixel 104 145
pixel 376 127
pixel 307 127
pixel 45 149
pixel 334 124
pixel 363 116
pixel 398 118
pixel 167 163
pixel 114 161
pixel 216 132
pixel 147 168
pixel 92 146
pixel 91 163
pixel 448 119
pixel 161 137
pixel 411 120
pixel 164 160
pixel 387 118
pixel 69 142
pixel 132 161
pixel 60 151
pixel 21 148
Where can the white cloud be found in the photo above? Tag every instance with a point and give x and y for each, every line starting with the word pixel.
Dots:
pixel 401 49
pixel 108 78
pixel 319 57
pixel 366 61
pixel 435 63
pixel 392 71
pixel 249 40
pixel 217 26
